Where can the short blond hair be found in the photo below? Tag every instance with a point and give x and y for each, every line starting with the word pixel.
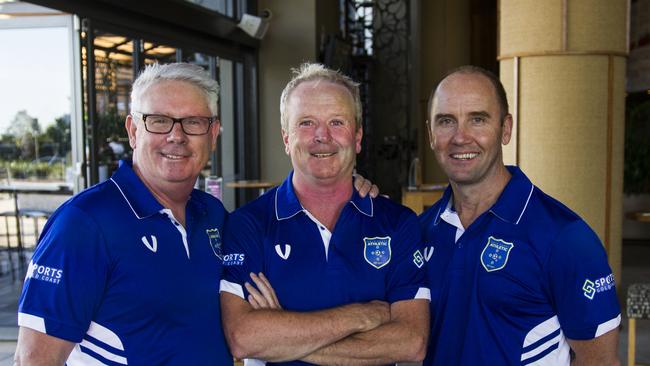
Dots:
pixel 311 72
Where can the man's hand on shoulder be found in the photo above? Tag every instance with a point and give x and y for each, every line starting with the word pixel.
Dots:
pixel 364 186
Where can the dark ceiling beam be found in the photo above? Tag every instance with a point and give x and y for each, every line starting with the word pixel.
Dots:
pixel 193 26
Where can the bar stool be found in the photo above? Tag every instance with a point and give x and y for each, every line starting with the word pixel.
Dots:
pixel 35 215
pixel 638 307
pixel 19 250
pixel 8 249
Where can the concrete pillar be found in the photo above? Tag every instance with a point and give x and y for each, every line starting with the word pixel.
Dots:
pixel 563 65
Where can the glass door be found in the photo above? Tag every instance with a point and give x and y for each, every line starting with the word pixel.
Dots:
pixel 117 60
pixel 37 97
pixel 39 138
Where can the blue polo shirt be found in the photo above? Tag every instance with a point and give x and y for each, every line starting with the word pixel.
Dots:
pixel 374 252
pixel 115 273
pixel 524 277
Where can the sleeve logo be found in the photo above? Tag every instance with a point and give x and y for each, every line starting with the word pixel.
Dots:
pixel 591 288
pixel 234 259
pixel 418 259
pixel 44 273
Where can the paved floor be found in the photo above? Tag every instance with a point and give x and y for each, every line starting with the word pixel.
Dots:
pixel 9 292
pixel 636 268
pixel 7 353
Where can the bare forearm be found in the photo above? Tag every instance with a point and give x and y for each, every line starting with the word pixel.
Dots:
pixel 402 340
pixel 278 335
pixel 39 349
pixel 598 351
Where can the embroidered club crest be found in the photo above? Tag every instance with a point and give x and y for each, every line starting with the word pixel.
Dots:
pixel 215 241
pixel 377 251
pixel 495 254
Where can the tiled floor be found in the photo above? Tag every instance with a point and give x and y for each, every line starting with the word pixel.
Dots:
pixel 636 268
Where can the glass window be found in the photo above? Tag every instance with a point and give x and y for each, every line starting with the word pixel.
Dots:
pixel 38 112
pixel 35 103
pixel 114 62
pixel 35 97
pixel 113 77
pixel 231 8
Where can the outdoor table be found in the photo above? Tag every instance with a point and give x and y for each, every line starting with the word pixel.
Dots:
pixel 32 188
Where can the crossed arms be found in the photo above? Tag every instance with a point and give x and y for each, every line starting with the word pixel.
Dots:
pixel 359 334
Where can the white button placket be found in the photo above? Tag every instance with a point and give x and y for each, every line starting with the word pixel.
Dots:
pixel 167 212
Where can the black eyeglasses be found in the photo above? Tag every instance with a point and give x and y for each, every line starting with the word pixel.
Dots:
pixel 161 124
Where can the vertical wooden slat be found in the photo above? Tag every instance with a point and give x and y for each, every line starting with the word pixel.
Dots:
pixel 515 107
pixel 499 28
pixel 627 27
pixel 631 342
pixel 565 25
pixel 608 175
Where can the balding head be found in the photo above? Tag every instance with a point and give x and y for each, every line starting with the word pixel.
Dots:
pixel 497 87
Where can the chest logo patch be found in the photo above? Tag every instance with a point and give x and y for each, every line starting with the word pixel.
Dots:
pixel 215 241
pixel 153 246
pixel 284 254
pixel 495 254
pixel 428 252
pixel 376 251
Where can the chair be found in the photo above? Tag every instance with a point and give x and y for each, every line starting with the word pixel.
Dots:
pixel 36 206
pixel 18 249
pixel 638 307
pixel 6 260
pixel 421 199
pixel 6 250
pixel 35 215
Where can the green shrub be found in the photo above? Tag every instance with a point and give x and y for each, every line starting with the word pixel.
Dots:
pixel 26 170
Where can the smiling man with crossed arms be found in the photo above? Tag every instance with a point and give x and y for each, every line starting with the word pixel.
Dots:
pixel 347 271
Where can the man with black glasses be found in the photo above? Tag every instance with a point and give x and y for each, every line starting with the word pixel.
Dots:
pixel 127 271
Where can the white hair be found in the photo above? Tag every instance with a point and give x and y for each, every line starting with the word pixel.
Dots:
pixel 189 73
